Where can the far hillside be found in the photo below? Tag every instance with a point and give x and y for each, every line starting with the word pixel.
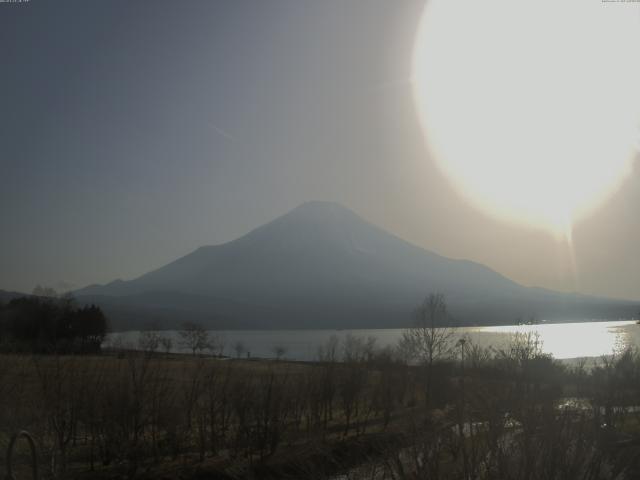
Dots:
pixel 323 266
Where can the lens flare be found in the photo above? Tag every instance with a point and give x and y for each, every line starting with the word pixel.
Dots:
pixel 531 108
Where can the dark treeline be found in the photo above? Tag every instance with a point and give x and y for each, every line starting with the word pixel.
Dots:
pixel 51 325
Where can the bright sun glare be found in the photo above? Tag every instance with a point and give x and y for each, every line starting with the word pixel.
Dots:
pixel 530 107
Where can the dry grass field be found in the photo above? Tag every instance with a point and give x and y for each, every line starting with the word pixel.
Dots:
pixel 136 415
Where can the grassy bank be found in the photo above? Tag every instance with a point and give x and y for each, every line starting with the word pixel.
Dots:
pixel 509 414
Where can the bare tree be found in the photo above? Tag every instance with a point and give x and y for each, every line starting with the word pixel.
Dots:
pixel 329 351
pixel 354 349
pixel 60 403
pixel 239 348
pixel 216 345
pixel 279 351
pixel 167 343
pixel 149 341
pixel 194 337
pixel 430 339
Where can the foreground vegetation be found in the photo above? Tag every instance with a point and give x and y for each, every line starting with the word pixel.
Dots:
pixel 433 407
pixel 357 412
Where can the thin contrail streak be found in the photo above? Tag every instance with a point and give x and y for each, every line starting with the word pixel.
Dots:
pixel 221 132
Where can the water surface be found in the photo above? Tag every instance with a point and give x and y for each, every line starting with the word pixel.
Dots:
pixel 562 340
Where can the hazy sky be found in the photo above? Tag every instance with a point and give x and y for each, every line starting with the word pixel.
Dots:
pixel 132 132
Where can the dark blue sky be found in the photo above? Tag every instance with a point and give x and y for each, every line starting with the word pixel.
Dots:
pixel 132 132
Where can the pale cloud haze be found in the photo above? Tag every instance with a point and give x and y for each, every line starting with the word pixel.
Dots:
pixel 134 132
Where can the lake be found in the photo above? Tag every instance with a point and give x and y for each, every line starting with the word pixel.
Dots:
pixel 562 340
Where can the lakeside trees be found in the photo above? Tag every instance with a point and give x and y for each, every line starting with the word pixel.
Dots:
pixel 358 411
pixel 430 339
pixel 47 325
pixel 503 416
pixel 194 337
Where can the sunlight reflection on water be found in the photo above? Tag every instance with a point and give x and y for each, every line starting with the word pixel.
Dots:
pixel 562 340
pixel 566 340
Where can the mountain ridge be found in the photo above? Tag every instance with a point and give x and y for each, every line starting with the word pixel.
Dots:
pixel 322 266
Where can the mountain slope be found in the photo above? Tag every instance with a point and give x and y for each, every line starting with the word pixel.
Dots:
pixel 6 296
pixel 322 266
